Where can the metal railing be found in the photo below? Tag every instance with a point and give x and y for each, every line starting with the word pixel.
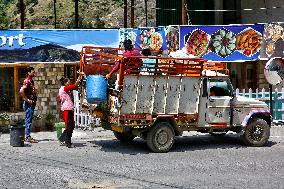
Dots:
pixel 83 120
pixel 264 95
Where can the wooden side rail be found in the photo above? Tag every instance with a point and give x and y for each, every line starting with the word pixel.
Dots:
pixel 100 60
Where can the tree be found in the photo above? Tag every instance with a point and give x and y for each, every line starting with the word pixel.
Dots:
pixel 3 15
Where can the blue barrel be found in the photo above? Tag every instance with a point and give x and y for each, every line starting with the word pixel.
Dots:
pixel 96 88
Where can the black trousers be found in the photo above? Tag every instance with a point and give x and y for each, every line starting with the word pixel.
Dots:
pixel 68 117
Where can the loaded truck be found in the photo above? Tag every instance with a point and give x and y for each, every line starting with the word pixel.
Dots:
pixel 160 101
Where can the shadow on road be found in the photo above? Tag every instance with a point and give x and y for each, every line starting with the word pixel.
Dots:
pixel 203 142
pixel 182 144
pixel 137 146
pixel 79 145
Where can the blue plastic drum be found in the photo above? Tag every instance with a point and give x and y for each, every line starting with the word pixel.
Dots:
pixel 96 88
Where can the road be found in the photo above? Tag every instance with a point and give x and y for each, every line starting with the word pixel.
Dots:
pixel 100 161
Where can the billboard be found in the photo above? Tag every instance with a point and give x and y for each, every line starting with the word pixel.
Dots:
pixel 51 45
pixel 230 43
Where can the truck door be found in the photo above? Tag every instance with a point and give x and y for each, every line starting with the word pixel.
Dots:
pixel 219 100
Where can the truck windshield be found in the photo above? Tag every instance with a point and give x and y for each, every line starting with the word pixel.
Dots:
pixel 220 87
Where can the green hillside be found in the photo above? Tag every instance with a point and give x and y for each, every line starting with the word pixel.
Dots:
pixel 92 14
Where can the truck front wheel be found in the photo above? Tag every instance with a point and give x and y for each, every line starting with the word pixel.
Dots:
pixel 256 133
pixel 161 137
pixel 123 137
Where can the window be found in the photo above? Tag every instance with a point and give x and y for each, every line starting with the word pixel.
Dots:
pixel 219 87
pixel 11 80
pixel 70 71
pixel 6 88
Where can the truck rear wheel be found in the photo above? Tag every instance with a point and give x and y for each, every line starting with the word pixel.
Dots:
pixel 256 133
pixel 123 137
pixel 161 137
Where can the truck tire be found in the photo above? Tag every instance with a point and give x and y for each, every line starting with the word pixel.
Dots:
pixel 256 133
pixel 161 137
pixel 123 137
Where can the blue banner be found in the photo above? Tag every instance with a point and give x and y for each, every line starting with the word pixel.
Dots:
pixel 51 45
pixel 234 43
pixel 229 43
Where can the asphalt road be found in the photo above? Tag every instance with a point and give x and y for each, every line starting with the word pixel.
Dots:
pixel 100 161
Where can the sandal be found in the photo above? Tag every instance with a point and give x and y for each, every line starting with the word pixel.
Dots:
pixel 62 143
pixel 31 140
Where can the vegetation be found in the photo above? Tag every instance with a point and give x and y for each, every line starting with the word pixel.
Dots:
pixel 92 14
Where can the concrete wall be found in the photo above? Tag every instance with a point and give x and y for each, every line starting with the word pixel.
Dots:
pixel 47 85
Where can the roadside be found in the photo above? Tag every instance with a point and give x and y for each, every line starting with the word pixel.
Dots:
pixel 100 133
pixel 78 135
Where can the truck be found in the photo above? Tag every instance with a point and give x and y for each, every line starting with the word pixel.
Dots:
pixel 160 101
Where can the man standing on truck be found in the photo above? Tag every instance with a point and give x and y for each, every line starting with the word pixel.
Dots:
pixel 136 63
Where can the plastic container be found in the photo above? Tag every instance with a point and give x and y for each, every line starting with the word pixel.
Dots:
pixel 59 127
pixel 96 87
pixel 17 135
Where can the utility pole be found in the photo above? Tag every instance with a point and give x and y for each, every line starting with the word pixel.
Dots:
pixel 22 11
pixel 54 10
pixel 183 12
pixel 146 13
pixel 76 14
pixel 132 13
pixel 125 13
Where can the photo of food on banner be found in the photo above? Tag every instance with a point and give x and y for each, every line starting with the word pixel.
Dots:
pixel 249 42
pixel 196 42
pixel 151 38
pixel 223 42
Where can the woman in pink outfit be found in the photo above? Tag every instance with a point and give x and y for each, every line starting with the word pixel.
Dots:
pixel 67 109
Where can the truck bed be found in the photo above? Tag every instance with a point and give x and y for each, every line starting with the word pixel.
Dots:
pixel 155 95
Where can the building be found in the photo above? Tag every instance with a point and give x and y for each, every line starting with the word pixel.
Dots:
pixel 244 75
pixel 47 85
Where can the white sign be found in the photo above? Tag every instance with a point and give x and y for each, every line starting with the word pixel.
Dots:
pixel 11 39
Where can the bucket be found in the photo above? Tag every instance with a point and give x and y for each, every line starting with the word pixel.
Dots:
pixel 59 127
pixel 17 135
pixel 96 87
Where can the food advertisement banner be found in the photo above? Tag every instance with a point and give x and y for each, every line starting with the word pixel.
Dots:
pixel 51 45
pixel 273 41
pixel 229 43
pixel 234 43
pixel 153 38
